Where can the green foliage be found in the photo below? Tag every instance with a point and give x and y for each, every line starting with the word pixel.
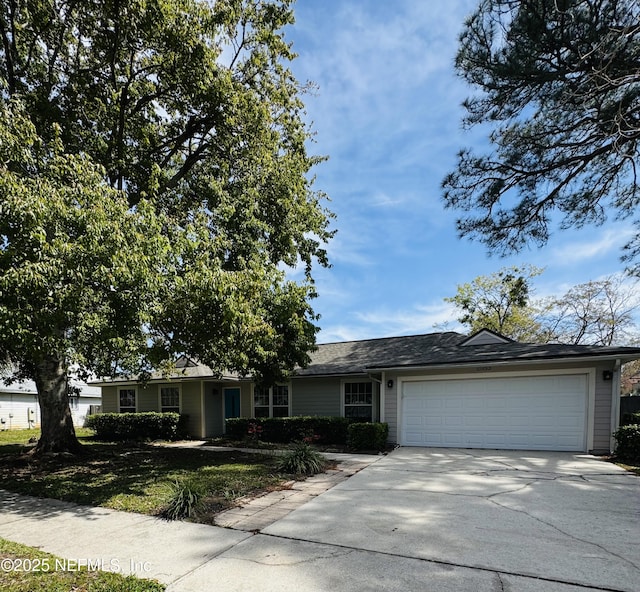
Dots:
pixel 557 83
pixel 302 460
pixel 78 267
pixel 630 419
pixel 500 302
pixel 184 500
pixel 49 579
pixel 324 430
pixel 368 436
pixel 594 313
pixel 135 426
pixel 138 478
pixel 155 184
pixel 628 443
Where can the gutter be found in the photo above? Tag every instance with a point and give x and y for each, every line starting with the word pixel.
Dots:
pixel 490 363
pixel 163 380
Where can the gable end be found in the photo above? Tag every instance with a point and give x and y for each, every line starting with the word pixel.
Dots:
pixel 486 337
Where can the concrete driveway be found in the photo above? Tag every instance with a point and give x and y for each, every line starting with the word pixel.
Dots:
pixel 446 519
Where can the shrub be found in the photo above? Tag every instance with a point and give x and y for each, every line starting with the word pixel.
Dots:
pixel 302 460
pixel 368 436
pixel 323 430
pixel 184 500
pixel 630 419
pixel 137 426
pixel 628 438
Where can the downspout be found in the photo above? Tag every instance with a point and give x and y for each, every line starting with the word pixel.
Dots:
pixel 615 404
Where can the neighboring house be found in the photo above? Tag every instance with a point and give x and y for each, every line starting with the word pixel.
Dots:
pixel 634 381
pixel 440 389
pixel 19 408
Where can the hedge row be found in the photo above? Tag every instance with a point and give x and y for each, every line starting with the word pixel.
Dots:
pixel 368 436
pixel 137 426
pixel 321 430
pixel 628 438
pixel 312 429
pixel 630 419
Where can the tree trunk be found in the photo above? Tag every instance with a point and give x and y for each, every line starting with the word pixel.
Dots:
pixel 58 433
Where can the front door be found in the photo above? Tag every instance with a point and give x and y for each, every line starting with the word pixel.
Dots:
pixel 231 402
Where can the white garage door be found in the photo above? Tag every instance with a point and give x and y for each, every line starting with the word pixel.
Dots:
pixel 525 413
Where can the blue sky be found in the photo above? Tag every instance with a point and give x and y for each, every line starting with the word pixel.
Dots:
pixel 387 113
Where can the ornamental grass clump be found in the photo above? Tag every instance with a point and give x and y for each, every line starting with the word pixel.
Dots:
pixel 302 460
pixel 184 500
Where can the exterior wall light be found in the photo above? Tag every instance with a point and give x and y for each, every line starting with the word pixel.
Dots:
pixel 389 383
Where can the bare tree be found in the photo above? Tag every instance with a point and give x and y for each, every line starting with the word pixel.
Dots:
pixel 595 313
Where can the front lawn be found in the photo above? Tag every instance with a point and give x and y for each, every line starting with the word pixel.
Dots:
pixel 25 569
pixel 135 477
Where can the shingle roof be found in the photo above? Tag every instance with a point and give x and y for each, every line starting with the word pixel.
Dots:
pixel 437 349
pixel 416 351
pixel 356 356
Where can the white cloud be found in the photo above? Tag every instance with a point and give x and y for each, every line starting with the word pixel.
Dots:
pixel 378 68
pixel 385 322
pixel 417 319
pixel 580 251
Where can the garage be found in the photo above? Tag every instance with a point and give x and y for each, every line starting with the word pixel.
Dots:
pixel 520 413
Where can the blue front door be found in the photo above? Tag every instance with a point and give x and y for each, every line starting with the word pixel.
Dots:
pixel 231 403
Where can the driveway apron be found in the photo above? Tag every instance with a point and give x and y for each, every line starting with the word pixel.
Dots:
pixel 559 518
pixel 416 520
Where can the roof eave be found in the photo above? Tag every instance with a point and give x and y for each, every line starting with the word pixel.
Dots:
pixel 508 362
pixel 164 379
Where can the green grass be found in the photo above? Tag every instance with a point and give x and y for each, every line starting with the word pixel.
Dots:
pixel 136 477
pixel 21 437
pixel 25 569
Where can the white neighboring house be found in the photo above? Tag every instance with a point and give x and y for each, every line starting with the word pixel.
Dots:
pixel 19 408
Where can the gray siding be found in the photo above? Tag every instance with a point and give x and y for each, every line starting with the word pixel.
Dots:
pixel 213 410
pixel 148 398
pixel 109 399
pixel 246 405
pixel 319 396
pixel 602 416
pixel 192 407
pixel 391 407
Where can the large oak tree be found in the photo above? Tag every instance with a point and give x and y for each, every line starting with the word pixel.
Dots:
pixel 162 188
pixel 557 84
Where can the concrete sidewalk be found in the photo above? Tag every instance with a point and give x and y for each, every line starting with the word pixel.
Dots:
pixel 417 519
pixel 252 514
pixel 116 541
pixel 148 547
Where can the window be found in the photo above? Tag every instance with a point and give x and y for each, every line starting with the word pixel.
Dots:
pixel 358 400
pixel 280 401
pixel 170 399
pixel 261 398
pixel 127 400
pixel 271 402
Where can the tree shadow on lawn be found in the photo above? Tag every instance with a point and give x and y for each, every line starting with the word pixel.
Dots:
pixel 136 477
